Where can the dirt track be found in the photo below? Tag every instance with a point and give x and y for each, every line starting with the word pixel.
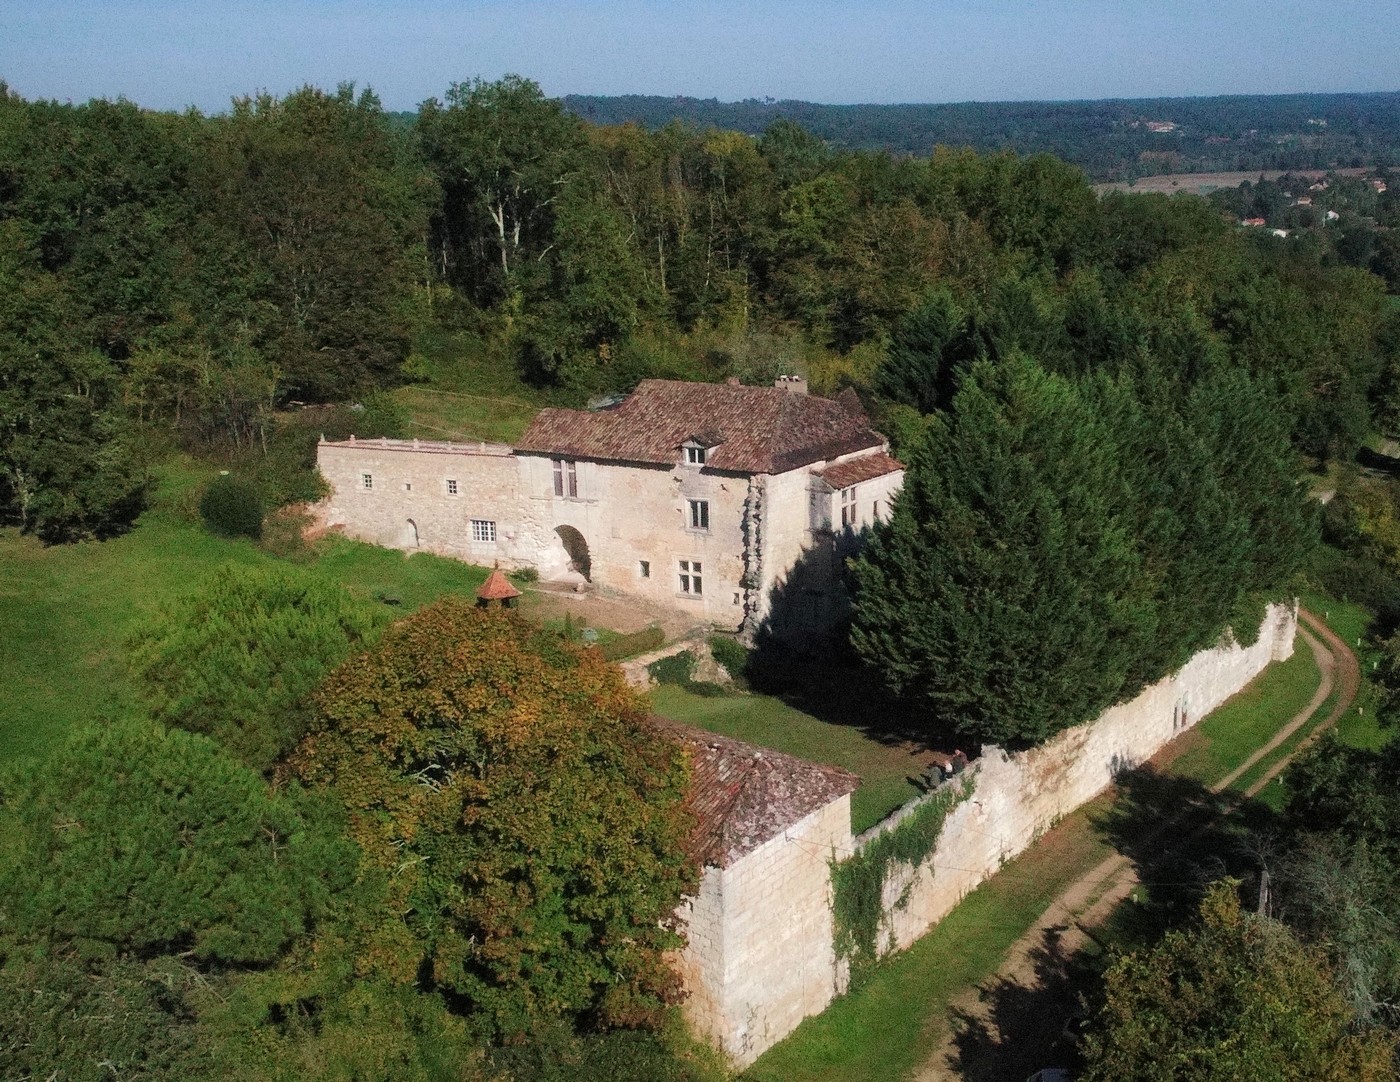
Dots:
pixel 1010 1007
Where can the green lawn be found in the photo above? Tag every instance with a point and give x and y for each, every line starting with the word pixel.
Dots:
pixel 1358 726
pixel 886 769
pixel 66 610
pixel 1232 732
pixel 448 415
pixel 468 387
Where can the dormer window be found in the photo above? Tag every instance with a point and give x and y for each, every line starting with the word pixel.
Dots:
pixel 694 455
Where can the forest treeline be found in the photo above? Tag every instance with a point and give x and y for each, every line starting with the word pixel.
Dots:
pixel 192 276
pixel 1109 139
pixel 198 273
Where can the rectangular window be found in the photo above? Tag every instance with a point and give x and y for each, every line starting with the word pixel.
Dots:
pixel 367 481
pixel 695 456
pixel 644 568
pixel 565 477
pixel 848 508
pixel 451 486
pixel 699 514
pixel 690 577
pixel 483 529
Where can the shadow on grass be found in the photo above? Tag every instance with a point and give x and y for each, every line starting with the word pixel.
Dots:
pixel 1181 837
pixel 802 655
pixel 1020 1028
pixel 1368 459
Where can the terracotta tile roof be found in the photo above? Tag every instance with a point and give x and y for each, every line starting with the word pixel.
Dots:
pixel 851 403
pixel 497 588
pixel 864 468
pixel 762 429
pixel 743 795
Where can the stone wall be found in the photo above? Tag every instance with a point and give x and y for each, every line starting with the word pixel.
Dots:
pixel 409 502
pixel 1018 797
pixel 762 956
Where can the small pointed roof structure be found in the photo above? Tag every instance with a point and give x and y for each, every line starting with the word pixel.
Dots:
pixel 497 588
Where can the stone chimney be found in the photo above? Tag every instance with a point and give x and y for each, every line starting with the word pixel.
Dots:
pixel 792 384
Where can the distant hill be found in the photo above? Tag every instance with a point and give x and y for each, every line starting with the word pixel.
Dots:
pixel 1115 139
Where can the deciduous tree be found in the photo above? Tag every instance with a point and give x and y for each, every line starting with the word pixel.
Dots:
pixel 1236 996
pixel 527 818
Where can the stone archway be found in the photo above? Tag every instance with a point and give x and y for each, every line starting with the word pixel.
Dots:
pixel 409 539
pixel 577 549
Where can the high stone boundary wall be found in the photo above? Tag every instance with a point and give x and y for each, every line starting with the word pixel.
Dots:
pixel 748 996
pixel 1017 797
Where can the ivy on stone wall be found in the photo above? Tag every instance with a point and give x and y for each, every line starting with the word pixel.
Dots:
pixel 858 883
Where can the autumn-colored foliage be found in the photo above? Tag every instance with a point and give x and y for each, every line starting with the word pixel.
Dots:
pixel 525 818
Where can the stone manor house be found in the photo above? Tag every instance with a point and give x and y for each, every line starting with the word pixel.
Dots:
pixel 733 504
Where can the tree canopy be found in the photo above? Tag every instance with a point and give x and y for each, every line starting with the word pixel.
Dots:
pixel 1235 996
pixel 527 818
pixel 141 840
pixel 1060 541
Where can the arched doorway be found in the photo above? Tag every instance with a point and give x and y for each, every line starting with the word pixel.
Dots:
pixel 410 535
pixel 577 549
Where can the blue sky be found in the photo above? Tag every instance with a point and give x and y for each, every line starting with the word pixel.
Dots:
pixel 173 53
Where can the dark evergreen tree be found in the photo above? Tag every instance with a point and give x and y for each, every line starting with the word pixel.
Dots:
pixel 1006 590
pixel 928 352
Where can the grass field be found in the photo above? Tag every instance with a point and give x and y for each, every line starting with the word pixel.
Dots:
pixel 1358 726
pixel 1231 733
pixel 887 768
pixel 472 389
pixel 448 415
pixel 65 611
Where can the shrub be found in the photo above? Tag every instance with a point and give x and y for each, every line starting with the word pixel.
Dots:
pixel 558 1054
pixel 630 645
pixel 383 415
pixel 708 689
pixel 71 1018
pixel 135 838
pixel 232 508
pixel 678 669
pixel 238 656
pixel 731 654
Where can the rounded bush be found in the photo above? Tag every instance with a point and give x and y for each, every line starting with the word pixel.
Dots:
pixel 232 508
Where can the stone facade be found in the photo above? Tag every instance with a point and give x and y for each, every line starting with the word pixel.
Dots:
pixel 761 955
pixel 714 541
